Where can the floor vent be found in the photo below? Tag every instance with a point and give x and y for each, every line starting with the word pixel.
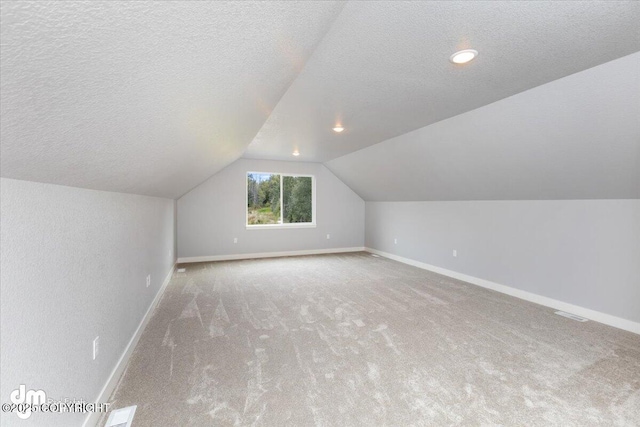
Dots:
pixel 377 256
pixel 571 316
pixel 121 417
pixel 181 270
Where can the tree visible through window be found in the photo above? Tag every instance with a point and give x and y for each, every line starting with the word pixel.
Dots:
pixel 279 199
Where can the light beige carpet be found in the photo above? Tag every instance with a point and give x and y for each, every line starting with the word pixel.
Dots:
pixel 355 340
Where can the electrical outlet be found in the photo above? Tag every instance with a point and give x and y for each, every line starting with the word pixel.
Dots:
pixel 148 280
pixel 455 253
pixel 328 236
pixel 96 347
pixel 395 241
pixel 235 240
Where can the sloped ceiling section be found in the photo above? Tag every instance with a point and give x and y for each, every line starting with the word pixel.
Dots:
pixel 144 97
pixel 574 138
pixel 383 68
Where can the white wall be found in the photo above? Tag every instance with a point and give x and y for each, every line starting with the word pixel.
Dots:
pixel 74 264
pixel 583 252
pixel 211 215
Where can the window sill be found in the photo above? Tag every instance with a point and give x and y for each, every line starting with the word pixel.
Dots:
pixel 279 226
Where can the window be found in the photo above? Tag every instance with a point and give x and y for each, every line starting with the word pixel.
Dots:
pixel 280 201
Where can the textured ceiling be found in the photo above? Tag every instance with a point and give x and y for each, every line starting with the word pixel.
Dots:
pixel 144 97
pixel 573 138
pixel 383 70
pixel 155 97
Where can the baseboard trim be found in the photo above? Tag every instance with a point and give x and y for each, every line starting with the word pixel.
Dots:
pixel 94 417
pixel 233 257
pixel 597 316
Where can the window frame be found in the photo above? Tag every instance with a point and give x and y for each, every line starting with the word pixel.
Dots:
pixel 282 225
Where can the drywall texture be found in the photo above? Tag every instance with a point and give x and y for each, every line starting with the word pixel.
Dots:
pixel 154 97
pixel 583 252
pixel 573 138
pixel 74 266
pixel 214 213
pixel 145 97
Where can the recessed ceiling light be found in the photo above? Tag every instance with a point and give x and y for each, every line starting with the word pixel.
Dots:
pixel 338 129
pixel 296 153
pixel 463 56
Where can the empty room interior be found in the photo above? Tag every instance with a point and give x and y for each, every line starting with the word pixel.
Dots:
pixel 320 213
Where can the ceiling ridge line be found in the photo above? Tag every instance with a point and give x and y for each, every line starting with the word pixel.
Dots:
pixel 297 76
pixel 313 51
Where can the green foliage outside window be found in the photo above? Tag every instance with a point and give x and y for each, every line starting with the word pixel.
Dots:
pixel 297 199
pixel 264 196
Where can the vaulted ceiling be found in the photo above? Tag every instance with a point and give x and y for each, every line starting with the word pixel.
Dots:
pixel 577 137
pixel 145 97
pixel 155 97
pixel 383 68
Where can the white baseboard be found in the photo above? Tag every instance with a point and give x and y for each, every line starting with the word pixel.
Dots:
pixel 597 316
pixel 93 417
pixel 266 255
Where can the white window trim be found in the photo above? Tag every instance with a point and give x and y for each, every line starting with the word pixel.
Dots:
pixel 282 225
